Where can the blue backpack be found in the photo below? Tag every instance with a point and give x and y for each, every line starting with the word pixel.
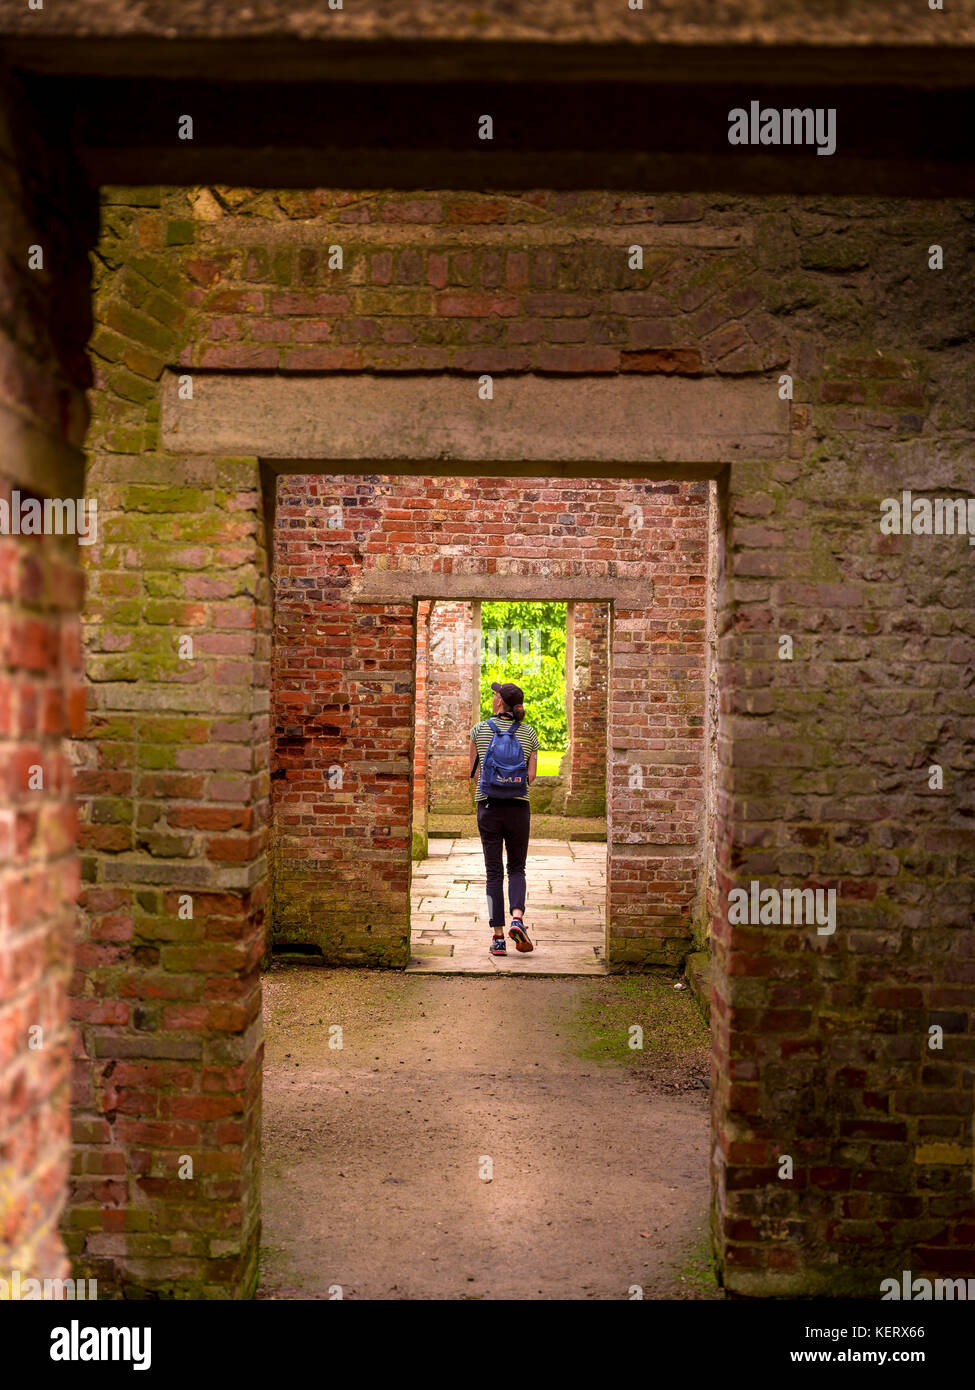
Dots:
pixel 505 768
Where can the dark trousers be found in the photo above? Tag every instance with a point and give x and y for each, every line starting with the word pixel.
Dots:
pixel 507 823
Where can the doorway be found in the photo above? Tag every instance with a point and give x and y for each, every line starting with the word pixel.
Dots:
pixel 558 652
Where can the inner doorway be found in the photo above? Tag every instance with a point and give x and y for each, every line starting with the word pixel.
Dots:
pixel 558 653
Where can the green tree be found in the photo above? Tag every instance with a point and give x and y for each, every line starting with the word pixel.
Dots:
pixel 527 642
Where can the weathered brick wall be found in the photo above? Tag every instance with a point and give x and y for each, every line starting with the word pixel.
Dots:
pixel 420 731
pixel 343 700
pixel 571 22
pixel 709 903
pixel 44 323
pixel 822 1045
pixel 821 1042
pixel 587 687
pixel 174 777
pixel 452 669
pixel 460 281
pixel 40 590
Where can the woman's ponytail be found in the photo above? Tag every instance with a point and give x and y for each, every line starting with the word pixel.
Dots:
pixel 518 711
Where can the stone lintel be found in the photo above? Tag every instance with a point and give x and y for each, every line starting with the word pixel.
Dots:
pixel 395 586
pixel 318 423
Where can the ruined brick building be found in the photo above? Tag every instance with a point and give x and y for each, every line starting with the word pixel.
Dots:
pixel 295 468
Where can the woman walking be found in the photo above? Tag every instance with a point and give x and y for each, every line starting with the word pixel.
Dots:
pixel 507 750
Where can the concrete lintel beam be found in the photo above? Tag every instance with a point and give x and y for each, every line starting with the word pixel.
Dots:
pixel 399 586
pixel 616 420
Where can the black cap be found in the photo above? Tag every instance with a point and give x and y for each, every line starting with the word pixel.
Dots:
pixel 511 694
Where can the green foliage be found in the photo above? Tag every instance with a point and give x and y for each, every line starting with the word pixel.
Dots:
pixel 541 642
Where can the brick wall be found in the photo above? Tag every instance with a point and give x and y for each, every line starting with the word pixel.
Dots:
pixel 42 701
pixel 455 281
pixel 709 902
pixel 587 688
pixel 821 1042
pixel 420 731
pixel 822 1049
pixel 44 322
pixel 173 778
pixel 173 775
pixel 452 670
pixel 341 854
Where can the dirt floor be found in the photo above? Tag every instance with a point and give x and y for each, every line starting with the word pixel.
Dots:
pixel 479 1138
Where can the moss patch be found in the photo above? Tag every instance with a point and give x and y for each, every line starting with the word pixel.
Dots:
pixel 675 1042
pixel 700 1273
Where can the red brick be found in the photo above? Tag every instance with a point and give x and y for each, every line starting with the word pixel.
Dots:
pixel 682 361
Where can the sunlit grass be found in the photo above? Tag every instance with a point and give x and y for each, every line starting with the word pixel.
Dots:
pixel 548 762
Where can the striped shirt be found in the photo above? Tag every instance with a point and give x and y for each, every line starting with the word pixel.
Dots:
pixel 483 733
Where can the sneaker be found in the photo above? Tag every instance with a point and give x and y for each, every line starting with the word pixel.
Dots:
pixel 498 948
pixel 519 936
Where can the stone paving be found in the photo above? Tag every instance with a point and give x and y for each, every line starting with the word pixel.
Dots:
pixel 564 914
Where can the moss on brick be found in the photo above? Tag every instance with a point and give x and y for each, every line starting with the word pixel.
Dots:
pixel 142 498
pixel 172 729
pixel 163 584
pixel 834 253
pixel 161 273
pixel 166 310
pixel 180 232
pixel 119 613
pixel 104 343
pixel 155 755
pixel 131 387
pixel 237 474
pixel 628 953
pixel 116 667
pixel 118 727
pixel 139 327
pixel 111 810
pixel 131 196
pixel 164 612
pixel 123 439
